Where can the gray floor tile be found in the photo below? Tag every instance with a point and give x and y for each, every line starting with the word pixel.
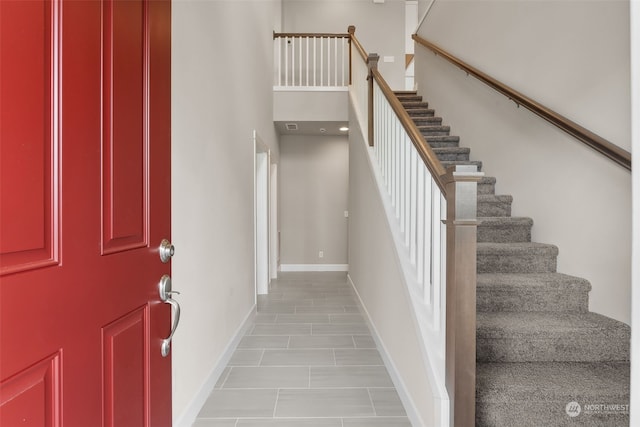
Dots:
pixel 277 307
pixel 333 302
pixel 377 422
pixel 282 329
pixel 239 403
pixel 246 357
pixel 265 318
pixel 291 357
pixel 264 342
pixel 364 341
pixel 387 402
pixel 358 357
pixel 341 329
pixel 223 377
pixel 307 324
pixel 303 318
pixel 215 422
pixel 267 377
pixel 346 318
pixel 323 310
pixel 291 422
pixel 324 403
pixel 319 341
pixel 348 376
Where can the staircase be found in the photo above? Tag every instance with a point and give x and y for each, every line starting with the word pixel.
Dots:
pixel 539 349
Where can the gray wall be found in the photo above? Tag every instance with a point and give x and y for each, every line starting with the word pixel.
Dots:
pixel 379 27
pixel 574 58
pixel 314 173
pixel 220 92
pixel 375 271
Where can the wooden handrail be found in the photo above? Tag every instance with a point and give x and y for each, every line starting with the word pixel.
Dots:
pixel 601 145
pixel 356 43
pixel 321 35
pixel 424 149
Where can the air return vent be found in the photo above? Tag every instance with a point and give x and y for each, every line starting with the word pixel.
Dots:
pixel 291 126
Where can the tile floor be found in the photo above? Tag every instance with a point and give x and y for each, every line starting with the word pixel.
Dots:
pixel 307 361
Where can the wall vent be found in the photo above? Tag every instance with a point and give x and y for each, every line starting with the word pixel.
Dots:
pixel 291 126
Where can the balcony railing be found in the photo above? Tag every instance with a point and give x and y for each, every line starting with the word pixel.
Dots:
pixel 311 61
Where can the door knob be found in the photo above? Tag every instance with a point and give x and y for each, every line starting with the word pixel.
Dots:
pixel 166 250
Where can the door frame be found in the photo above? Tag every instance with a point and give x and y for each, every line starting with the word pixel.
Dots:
pixel 261 215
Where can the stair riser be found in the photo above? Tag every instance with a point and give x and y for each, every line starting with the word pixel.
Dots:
pixel 424 112
pixel 516 263
pixel 444 144
pixel 453 157
pixel 427 121
pixel 504 234
pixel 488 209
pixel 413 104
pixel 489 188
pixel 410 98
pixel 574 347
pixel 434 132
pixel 542 300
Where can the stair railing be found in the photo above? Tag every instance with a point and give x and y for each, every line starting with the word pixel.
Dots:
pixel 596 142
pixel 311 61
pixel 436 213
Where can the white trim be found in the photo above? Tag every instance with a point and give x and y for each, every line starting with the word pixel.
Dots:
pixel 311 88
pixel 401 388
pixel 314 267
pixel 189 415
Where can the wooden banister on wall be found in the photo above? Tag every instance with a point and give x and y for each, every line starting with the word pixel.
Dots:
pixel 596 142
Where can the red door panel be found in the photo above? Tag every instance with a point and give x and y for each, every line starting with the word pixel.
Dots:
pixel 84 204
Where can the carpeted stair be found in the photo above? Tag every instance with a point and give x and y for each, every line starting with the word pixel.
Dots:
pixel 538 347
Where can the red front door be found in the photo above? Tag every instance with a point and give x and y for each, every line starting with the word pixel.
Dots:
pixel 84 204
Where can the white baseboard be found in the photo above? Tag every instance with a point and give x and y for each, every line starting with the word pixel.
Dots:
pixel 405 397
pixel 189 415
pixel 314 267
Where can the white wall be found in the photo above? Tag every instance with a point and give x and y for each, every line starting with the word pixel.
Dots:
pixel 314 173
pixel 635 321
pixel 220 92
pixel 379 27
pixel 375 271
pixel 573 57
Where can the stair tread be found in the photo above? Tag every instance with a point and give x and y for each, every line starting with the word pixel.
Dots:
pixel 504 220
pixel 515 247
pixel 433 127
pixel 420 112
pixel 442 138
pixel 530 281
pixel 463 150
pixel 545 325
pixel 496 197
pixel 560 382
pixel 405 92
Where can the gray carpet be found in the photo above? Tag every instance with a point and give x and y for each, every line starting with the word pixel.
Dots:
pixel 542 358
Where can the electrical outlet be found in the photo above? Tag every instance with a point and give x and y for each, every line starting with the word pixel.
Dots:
pixel 321 254
pixel 346 214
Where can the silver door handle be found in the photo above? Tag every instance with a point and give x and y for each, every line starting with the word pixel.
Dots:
pixel 166 343
pixel 164 289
